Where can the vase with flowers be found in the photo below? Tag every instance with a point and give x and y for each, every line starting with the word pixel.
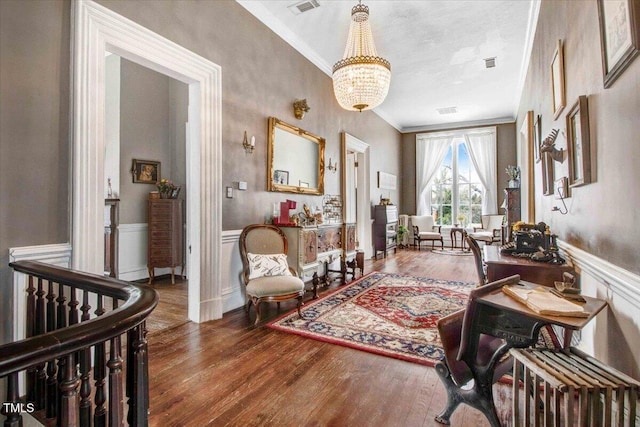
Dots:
pixel 514 176
pixel 167 189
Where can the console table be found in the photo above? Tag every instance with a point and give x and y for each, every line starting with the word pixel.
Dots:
pixel 501 265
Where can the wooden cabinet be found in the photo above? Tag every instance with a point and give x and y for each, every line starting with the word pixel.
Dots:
pixel 165 239
pixel 385 228
pixel 512 211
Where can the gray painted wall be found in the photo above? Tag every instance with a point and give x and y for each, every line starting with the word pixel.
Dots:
pixel 603 215
pixel 506 147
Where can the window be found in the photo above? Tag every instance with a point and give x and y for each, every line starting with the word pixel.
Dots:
pixel 456 190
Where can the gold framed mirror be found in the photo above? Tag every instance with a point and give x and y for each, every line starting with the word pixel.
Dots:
pixel 295 158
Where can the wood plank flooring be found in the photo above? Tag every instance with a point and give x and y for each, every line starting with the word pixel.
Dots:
pixel 225 372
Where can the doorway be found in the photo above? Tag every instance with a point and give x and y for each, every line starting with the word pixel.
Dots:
pixel 95 31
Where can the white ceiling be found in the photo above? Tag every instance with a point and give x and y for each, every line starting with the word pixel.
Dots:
pixel 436 50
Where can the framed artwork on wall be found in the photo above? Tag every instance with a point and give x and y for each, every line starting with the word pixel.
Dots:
pixel 562 188
pixel 387 181
pixel 619 36
pixel 145 171
pixel 578 144
pixel 537 137
pixel 557 81
pixel 547 174
pixel 281 177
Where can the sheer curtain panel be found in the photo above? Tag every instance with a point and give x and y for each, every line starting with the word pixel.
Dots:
pixel 430 152
pixel 482 151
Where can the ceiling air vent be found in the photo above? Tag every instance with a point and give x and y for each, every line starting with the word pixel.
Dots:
pixel 303 6
pixel 447 110
pixel 490 62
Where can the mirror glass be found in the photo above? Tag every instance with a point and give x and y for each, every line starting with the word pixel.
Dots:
pixel 296 159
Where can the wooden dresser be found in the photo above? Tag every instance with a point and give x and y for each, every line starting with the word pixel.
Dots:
pixel 385 228
pixel 165 239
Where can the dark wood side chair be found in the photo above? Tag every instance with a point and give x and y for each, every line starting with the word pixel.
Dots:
pixel 265 239
pixel 477 255
pixel 469 356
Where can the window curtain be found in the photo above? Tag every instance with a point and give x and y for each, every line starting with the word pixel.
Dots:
pixel 430 152
pixel 482 150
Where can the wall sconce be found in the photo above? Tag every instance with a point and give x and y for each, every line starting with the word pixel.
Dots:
pixel 300 107
pixel 549 146
pixel 248 146
pixel 332 167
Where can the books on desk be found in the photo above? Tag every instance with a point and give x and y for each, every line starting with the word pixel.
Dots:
pixel 542 301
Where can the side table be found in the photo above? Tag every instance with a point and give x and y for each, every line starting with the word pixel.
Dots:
pixel 454 234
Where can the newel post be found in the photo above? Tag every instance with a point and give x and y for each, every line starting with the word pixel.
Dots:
pixel 138 376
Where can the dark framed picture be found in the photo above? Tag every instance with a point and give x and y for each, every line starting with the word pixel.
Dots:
pixel 145 171
pixel 537 137
pixel 557 81
pixel 281 177
pixel 619 36
pixel 547 174
pixel 578 144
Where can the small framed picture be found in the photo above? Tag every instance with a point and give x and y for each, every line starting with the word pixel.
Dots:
pixel 619 36
pixel 578 144
pixel 557 81
pixel 281 177
pixel 303 184
pixel 547 174
pixel 145 171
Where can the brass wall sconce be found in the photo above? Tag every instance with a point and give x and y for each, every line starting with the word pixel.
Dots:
pixel 248 146
pixel 332 167
pixel 549 146
pixel 300 107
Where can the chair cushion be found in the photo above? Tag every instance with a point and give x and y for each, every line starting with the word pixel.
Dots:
pixel 261 265
pixel 485 236
pixel 427 235
pixel 274 286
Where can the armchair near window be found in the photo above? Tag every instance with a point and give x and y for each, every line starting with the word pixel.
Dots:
pixel 490 230
pixel 424 228
pixel 265 273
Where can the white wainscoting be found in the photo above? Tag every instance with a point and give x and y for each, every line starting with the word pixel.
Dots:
pixel 613 335
pixel 233 295
pixel 132 253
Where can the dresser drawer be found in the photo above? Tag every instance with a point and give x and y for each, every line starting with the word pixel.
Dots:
pixel 157 234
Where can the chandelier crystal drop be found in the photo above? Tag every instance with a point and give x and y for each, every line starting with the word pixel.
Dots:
pixel 361 78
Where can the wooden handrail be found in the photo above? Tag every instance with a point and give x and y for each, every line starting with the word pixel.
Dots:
pixel 139 299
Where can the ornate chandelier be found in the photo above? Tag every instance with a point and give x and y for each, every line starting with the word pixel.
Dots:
pixel 361 78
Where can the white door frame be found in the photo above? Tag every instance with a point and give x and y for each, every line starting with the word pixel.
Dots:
pixel 96 30
pixel 363 200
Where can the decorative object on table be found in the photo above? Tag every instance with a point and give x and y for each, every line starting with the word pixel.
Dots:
pixel 332 209
pixel 562 192
pixel 557 81
pixel 167 189
pixel 396 315
pixel 109 189
pixel 578 143
pixel 549 146
pixel 361 78
pixel 461 220
pixel 619 36
pixel 247 145
pixel 387 181
pixel 145 171
pixel 513 172
pixel 300 107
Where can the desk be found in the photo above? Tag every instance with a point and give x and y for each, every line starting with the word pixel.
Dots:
pixel 504 317
pixel 501 265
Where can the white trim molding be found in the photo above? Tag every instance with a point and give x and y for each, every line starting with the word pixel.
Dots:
pixel 95 31
pixel 233 295
pixel 616 279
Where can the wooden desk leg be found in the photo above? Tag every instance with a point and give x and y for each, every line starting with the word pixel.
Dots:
pixel 566 340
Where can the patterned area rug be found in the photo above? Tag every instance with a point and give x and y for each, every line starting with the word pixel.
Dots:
pixel 456 252
pixel 389 314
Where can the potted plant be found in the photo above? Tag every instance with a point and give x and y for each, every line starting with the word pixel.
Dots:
pixel 402 230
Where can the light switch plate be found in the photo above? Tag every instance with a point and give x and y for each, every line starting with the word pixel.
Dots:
pixel 242 185
pixel 229 192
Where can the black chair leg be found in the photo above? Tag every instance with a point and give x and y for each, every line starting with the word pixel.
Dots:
pixel 453 393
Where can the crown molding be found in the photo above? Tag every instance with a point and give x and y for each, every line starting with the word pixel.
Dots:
pixel 460 125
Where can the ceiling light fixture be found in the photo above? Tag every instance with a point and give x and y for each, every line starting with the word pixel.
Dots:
pixel 361 78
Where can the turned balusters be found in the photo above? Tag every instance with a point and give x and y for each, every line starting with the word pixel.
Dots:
pixel 85 369
pixel 52 378
pixel 99 415
pixel 40 328
pixel 31 331
pixel 116 398
pixel 137 376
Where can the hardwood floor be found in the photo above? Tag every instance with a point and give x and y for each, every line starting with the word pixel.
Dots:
pixel 224 372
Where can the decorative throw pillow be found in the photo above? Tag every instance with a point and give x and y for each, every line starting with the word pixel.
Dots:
pixel 267 265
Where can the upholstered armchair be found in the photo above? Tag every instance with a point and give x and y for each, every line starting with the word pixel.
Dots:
pixel 266 273
pixel 490 230
pixel 425 229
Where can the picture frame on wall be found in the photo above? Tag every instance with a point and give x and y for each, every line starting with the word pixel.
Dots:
pixel 557 81
pixel 578 143
pixel 562 188
pixel 537 138
pixel 145 171
pixel 281 177
pixel 387 181
pixel 547 174
pixel 619 36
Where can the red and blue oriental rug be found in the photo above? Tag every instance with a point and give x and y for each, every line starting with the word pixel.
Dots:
pixel 389 314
